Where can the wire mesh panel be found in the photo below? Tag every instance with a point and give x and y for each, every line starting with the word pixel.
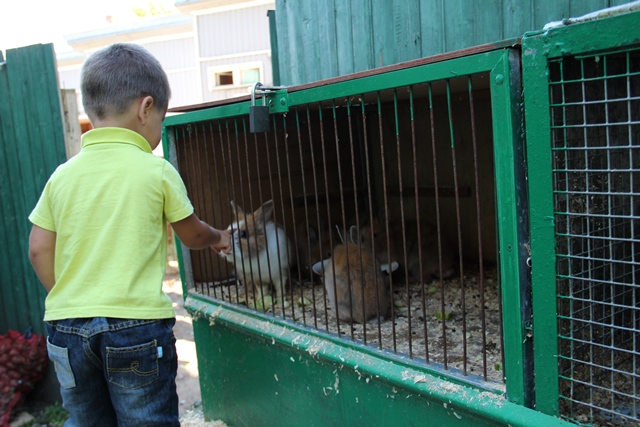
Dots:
pixel 369 217
pixel 595 114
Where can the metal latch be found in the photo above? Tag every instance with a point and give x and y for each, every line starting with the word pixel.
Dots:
pixel 259 120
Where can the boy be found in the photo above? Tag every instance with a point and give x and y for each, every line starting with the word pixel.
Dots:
pixel 98 245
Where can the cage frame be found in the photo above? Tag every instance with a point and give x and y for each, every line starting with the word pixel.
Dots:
pixel 502 62
pixel 616 32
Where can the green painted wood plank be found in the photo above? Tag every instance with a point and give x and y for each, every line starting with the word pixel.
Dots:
pixel 516 15
pixel 309 40
pixel 582 7
pixel 362 35
pixel 325 48
pixel 545 11
pixel 273 35
pixel 511 203
pixel 21 178
pixel 34 104
pixel 384 52
pixel 33 146
pixel 345 47
pixel 385 32
pixel 9 177
pixel 432 27
pixel 472 23
pixel 406 30
pixel 301 377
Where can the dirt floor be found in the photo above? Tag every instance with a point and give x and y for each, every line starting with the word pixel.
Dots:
pixel 187 380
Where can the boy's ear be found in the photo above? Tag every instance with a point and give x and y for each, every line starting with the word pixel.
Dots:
pixel 144 108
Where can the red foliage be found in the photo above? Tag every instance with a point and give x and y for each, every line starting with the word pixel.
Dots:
pixel 23 362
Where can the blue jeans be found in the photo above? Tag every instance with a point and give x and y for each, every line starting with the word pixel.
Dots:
pixel 116 372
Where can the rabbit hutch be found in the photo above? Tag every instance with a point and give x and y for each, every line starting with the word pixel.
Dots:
pixel 407 251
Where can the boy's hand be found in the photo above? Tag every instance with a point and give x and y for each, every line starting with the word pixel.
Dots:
pixel 224 245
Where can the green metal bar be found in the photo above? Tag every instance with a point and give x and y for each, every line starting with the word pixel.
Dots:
pixel 424 73
pixel 578 39
pixel 543 280
pixel 508 145
pixel 449 403
pixel 282 100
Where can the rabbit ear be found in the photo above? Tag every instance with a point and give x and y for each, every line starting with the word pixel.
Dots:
pixel 312 233
pixel 237 210
pixel 264 212
pixel 353 234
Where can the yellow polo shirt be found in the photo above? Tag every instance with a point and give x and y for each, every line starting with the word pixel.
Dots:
pixel 108 206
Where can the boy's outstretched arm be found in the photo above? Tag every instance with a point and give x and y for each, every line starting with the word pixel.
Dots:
pixel 42 246
pixel 196 234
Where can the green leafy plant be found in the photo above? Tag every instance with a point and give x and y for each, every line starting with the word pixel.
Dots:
pixel 52 416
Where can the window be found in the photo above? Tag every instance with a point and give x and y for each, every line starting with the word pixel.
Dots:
pixel 224 78
pixel 237 75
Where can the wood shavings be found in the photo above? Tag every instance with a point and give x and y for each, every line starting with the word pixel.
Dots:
pixel 417 333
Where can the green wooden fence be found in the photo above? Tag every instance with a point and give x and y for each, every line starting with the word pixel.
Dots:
pixel 31 147
pixel 321 39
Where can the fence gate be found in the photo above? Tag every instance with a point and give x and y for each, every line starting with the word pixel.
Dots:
pixel 582 98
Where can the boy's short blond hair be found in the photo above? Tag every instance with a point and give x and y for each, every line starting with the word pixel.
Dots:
pixel 115 76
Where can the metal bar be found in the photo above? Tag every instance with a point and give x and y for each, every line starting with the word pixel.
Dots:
pixel 386 212
pixel 256 150
pixel 190 182
pixel 459 231
pixel 437 196
pixel 262 201
pixel 483 323
pixel 228 176
pixel 328 200
pixel 213 181
pixel 370 201
pixel 250 192
pixel 402 221
pixel 295 237
pixel 275 217
pixel 206 268
pixel 357 214
pixel 306 221
pixel 243 196
pixel 344 226
pixel 317 201
pixel 418 230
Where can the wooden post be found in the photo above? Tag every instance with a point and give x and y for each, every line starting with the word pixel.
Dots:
pixel 72 131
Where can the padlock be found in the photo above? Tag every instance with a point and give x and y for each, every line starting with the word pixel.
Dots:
pixel 259 120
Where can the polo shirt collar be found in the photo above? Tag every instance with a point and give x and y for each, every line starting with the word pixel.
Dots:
pixel 113 135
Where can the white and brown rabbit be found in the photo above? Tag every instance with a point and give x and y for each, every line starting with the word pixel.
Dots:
pixel 426 240
pixel 261 250
pixel 356 289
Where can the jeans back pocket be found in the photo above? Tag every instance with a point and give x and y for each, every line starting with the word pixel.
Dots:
pixel 133 367
pixel 60 358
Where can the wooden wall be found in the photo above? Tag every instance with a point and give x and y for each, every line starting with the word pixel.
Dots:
pixel 31 147
pixel 326 38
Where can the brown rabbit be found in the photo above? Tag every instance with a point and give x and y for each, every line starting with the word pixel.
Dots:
pixel 356 290
pixel 261 250
pixel 393 250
